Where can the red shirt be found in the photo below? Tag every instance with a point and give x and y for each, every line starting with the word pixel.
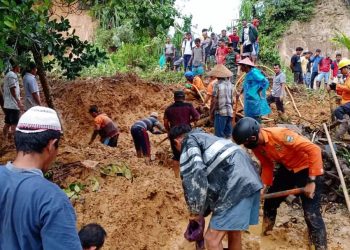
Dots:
pixel 325 64
pixel 234 38
pixel 221 53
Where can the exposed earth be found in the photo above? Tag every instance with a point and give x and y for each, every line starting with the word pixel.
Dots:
pixel 149 212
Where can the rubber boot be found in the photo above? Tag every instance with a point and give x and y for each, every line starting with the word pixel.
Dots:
pixel 267 225
pixel 343 127
pixel 282 117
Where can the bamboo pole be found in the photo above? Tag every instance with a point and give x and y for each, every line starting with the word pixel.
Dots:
pixel 294 105
pixel 340 173
pixel 199 93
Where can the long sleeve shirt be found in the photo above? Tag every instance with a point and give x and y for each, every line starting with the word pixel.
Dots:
pixel 293 151
pixel 254 92
pixel 215 172
pixel 344 90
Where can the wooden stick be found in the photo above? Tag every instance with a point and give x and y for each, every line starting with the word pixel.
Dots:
pixel 340 173
pixel 235 111
pixel 162 141
pixel 291 97
pixel 199 93
pixel 265 67
pixel 283 193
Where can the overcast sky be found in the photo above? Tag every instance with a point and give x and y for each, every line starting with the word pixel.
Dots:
pixel 218 13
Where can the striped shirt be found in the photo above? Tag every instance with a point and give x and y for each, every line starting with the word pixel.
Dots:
pixel 215 172
pixel 149 124
pixel 223 92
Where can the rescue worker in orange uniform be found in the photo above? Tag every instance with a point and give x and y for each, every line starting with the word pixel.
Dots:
pixel 288 160
pixel 342 113
pixel 195 87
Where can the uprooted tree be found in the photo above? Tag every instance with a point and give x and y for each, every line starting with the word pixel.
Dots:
pixel 28 31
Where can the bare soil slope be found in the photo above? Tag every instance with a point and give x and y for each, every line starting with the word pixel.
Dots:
pixel 150 212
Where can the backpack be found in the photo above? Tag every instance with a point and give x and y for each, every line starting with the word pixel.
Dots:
pixel 191 43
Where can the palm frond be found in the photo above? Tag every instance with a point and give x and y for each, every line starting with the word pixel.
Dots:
pixel 340 38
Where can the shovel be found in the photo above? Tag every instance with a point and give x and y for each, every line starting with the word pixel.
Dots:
pixel 294 191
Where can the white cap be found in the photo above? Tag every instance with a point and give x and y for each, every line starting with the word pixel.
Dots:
pixel 154 114
pixel 38 119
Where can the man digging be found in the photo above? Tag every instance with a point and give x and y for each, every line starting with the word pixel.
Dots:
pixel 217 176
pixel 298 164
pixel 105 127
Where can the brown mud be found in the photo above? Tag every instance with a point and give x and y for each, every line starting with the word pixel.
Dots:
pixel 149 212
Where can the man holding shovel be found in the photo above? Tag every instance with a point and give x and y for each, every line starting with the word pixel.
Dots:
pixel 299 164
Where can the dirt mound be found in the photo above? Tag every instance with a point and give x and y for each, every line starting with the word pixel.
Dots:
pixel 150 212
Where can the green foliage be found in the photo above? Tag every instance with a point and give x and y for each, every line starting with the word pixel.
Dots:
pixel 165 77
pixel 275 18
pixel 150 17
pixel 73 190
pixel 27 27
pixel 340 38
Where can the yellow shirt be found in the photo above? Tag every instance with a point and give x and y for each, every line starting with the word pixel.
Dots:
pixel 304 63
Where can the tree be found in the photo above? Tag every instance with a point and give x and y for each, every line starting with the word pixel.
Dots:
pixel 340 38
pixel 150 16
pixel 26 30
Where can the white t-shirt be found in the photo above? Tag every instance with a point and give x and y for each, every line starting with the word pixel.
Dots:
pixel 246 36
pixel 186 45
pixel 11 80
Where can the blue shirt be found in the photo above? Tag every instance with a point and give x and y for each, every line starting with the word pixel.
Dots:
pixel 315 61
pixel 35 213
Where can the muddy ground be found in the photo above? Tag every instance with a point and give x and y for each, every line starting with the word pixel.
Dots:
pixel 150 212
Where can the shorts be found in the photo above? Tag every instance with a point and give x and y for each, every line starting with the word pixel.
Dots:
pixel 11 116
pixel 323 75
pixel 239 216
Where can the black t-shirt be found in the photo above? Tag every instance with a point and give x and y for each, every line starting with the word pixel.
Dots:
pixel 296 63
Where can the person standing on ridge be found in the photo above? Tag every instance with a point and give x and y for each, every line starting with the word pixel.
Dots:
pixel 31 88
pixel 12 101
pixel 295 66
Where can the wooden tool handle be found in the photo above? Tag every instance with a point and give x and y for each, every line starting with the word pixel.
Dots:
pixel 283 193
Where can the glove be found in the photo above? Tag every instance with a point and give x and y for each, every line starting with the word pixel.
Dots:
pixel 195 230
pixel 188 86
pixel 333 86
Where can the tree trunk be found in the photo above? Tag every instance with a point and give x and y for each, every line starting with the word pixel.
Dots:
pixel 42 75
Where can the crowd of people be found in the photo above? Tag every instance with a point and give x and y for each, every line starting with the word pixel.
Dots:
pixel 312 69
pixel 218 176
